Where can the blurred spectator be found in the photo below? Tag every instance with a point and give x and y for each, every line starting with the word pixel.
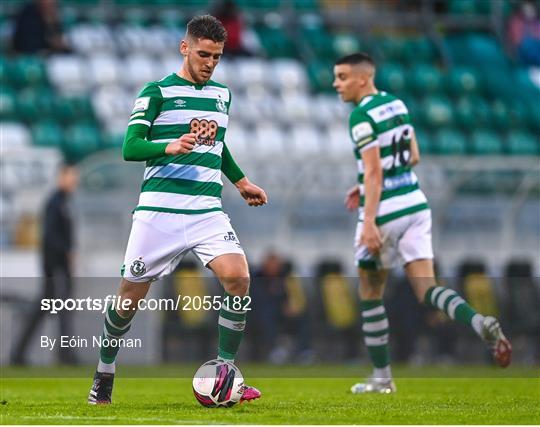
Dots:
pixel 229 15
pixel 57 256
pixel 268 296
pixel 38 29
pixel 524 33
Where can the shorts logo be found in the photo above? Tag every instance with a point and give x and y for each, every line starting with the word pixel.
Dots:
pixel 230 237
pixel 137 268
pixel 221 106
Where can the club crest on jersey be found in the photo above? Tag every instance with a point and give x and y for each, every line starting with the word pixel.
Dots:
pixel 220 105
pixel 138 268
pixel 179 103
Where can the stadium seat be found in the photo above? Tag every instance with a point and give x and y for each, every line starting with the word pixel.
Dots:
pixel 14 135
pixel 462 7
pixel 34 103
pixel 295 107
pixel 320 75
pixel 337 139
pixel 28 70
pixel 390 48
pixel 111 102
pixel 500 115
pixel 436 111
pixel 68 73
pixel 305 138
pixel 275 42
pixel 80 140
pixel 419 50
pixel 325 109
pixel 462 80
pixel 89 38
pixel 253 73
pixel 69 109
pixel 346 43
pixel 424 140
pixel 486 142
pixel 471 112
pixel 268 139
pixel 523 143
pixel 104 69
pixel 47 134
pixel 450 142
pixel 138 70
pixel 8 103
pixel 288 74
pixel 424 79
pixel 238 140
pixel 391 78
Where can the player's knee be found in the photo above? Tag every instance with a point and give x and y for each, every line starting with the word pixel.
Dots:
pixel 236 285
pixel 371 292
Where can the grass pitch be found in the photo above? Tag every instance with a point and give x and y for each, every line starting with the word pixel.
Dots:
pixel 291 395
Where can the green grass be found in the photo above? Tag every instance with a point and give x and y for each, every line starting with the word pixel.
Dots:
pixel 163 395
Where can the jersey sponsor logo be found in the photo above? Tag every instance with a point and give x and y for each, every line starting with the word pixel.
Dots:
pixel 141 104
pixel 220 105
pixel 179 103
pixel 205 130
pixel 137 268
pixel 361 131
pixel 394 182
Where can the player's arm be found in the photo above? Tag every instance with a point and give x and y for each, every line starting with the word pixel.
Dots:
pixel 365 138
pixel 136 147
pixel 415 151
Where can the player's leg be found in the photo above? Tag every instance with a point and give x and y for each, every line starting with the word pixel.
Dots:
pixel 376 330
pixel 415 248
pixel 233 273
pixel 117 324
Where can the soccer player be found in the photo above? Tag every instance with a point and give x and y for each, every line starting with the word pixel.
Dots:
pixel 178 127
pixel 394 224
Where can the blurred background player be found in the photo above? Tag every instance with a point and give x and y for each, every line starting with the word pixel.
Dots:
pixel 394 223
pixel 180 203
pixel 57 255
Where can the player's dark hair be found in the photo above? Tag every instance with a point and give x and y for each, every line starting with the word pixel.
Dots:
pixel 206 27
pixel 356 59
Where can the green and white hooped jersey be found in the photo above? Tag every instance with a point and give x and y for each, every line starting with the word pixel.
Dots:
pixel 382 120
pixel 188 183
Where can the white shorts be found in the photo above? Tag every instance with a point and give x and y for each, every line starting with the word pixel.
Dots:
pixel 404 240
pixel 158 241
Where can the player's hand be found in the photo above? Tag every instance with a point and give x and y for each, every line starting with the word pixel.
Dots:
pixel 254 195
pixel 352 199
pixel 371 237
pixel 182 145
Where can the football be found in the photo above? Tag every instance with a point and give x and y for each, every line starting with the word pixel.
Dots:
pixel 218 383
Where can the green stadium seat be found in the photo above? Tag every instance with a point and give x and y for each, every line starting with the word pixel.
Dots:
pixel 523 143
pixel 436 111
pixel 425 141
pixel 306 5
pixel 320 76
pixel 424 79
pixel 320 41
pixel 390 49
pixel 34 103
pixel 114 140
pixel 477 50
pixel 345 44
pixel 462 7
pixel 462 80
pixel 8 103
pixel 471 112
pixel 80 140
pixel 28 70
pixel 276 43
pixel 419 50
pixel 450 142
pixel 69 109
pixel 47 134
pixel 518 113
pixel 486 142
pixel 500 115
pixel 534 116
pixel 391 78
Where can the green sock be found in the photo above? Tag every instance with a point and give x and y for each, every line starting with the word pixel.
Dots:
pixel 116 327
pixel 231 325
pixel 375 327
pixel 454 306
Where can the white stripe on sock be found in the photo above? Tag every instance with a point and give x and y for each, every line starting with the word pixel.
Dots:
pixel 381 325
pixel 435 294
pixel 375 341
pixel 231 324
pixel 447 293
pixel 373 311
pixel 453 305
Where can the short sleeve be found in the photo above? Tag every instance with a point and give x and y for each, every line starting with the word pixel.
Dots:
pixel 147 106
pixel 362 130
